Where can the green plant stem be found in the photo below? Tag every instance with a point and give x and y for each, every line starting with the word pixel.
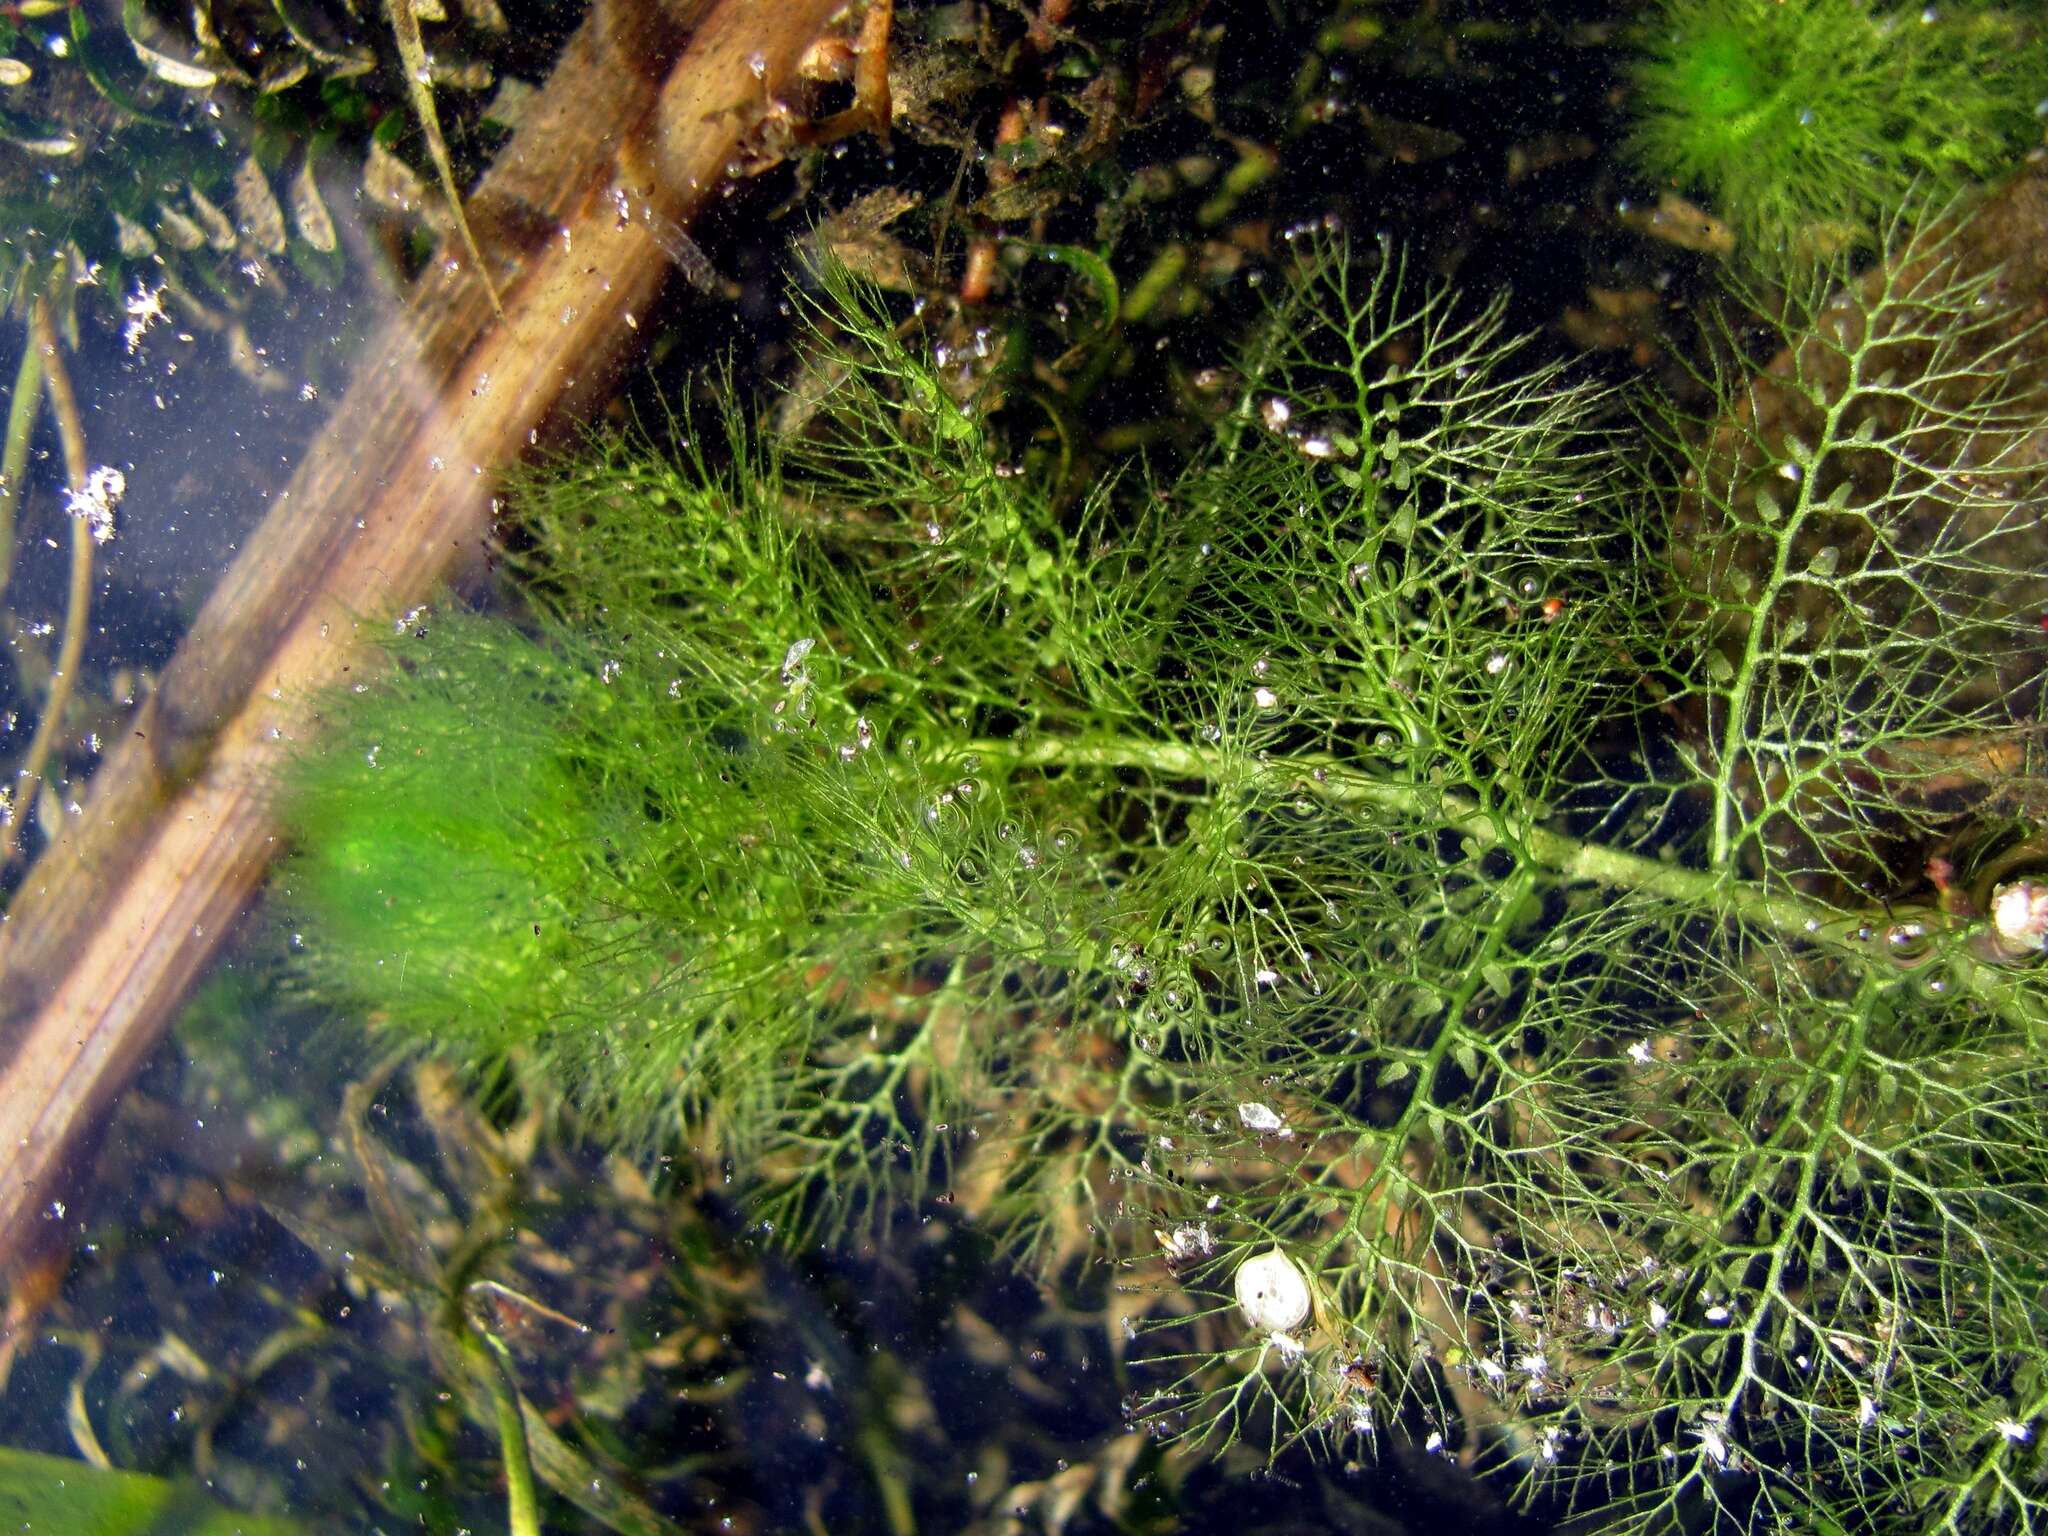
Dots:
pixel 1799 918
pixel 21 416
pixel 486 1356
pixel 78 603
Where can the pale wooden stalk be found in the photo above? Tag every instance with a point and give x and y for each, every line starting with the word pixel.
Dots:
pixel 119 916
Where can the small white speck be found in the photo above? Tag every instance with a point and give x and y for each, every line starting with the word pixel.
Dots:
pixel 1259 1118
pixel 96 500
pixel 1714 1443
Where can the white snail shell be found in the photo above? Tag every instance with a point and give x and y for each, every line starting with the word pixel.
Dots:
pixel 1273 1291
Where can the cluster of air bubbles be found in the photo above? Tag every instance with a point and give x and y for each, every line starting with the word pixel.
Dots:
pixel 1175 996
pixel 1322 439
pixel 978 348
pixel 1309 978
pixel 1301 805
pixel 1129 962
pixel 806 708
pixel 863 739
pixel 1028 856
pixel 1311 229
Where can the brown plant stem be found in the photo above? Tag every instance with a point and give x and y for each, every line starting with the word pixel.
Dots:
pixel 127 905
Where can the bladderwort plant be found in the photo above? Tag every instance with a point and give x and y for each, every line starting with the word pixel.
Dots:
pixel 1375 884
pixel 1806 123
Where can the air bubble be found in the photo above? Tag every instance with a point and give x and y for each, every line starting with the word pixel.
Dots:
pixel 1064 841
pixel 1908 943
pixel 969 872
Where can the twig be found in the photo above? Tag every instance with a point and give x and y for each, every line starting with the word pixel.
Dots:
pixel 78 602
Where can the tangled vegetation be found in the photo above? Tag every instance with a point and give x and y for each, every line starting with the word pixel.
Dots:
pixel 1382 844
pixel 1807 123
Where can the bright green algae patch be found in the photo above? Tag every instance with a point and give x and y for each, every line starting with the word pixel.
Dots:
pixel 445 838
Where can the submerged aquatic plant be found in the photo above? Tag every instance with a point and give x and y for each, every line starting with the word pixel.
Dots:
pixel 1372 880
pixel 1805 122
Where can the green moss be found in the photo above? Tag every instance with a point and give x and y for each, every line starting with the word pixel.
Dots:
pixel 1802 122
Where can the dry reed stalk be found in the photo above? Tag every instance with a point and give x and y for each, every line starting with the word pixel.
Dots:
pixel 118 917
